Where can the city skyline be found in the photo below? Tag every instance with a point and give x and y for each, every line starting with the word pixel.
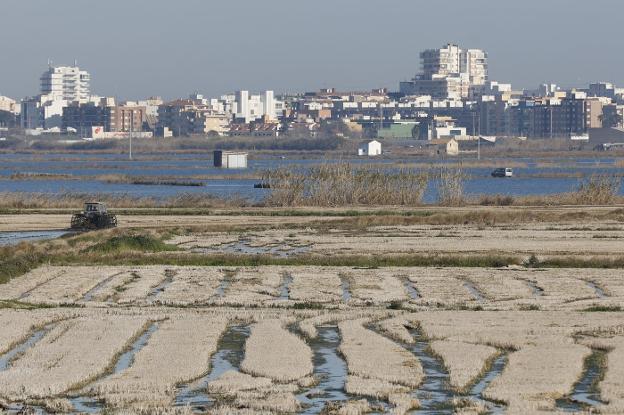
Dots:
pixel 167 49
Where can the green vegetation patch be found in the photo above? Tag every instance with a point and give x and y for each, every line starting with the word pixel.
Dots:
pixel 604 308
pixel 124 243
pixel 16 261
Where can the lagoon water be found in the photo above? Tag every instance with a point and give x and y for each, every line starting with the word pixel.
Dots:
pixel 183 166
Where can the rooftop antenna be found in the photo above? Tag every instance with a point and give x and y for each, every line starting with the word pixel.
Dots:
pixel 49 63
pixel 75 62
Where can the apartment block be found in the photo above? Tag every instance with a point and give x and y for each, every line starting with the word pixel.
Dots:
pixel 67 83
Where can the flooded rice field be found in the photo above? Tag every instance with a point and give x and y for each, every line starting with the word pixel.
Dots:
pixel 225 380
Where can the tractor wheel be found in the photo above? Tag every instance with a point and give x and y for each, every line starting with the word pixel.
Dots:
pixel 78 222
pixel 112 220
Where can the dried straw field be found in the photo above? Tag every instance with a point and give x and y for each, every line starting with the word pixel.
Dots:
pixel 289 316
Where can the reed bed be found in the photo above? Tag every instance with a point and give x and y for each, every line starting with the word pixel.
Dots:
pixel 344 184
pixel 464 361
pixel 149 180
pixel 286 360
pixel 450 186
pixel 187 342
pixel 73 353
pixel 372 356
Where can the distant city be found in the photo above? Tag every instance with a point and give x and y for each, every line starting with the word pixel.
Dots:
pixel 451 98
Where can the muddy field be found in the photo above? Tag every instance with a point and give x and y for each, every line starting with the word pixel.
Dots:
pixel 299 338
pixel 547 239
pixel 509 288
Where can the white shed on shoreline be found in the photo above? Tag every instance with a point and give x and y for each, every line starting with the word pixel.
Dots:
pixel 370 148
pixel 230 159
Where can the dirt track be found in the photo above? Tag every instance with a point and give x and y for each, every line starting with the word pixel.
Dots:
pixel 41 222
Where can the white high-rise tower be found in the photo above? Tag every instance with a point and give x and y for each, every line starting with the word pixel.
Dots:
pixel 269 105
pixel 242 105
pixel 67 83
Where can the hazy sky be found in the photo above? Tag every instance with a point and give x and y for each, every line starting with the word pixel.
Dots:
pixel 136 48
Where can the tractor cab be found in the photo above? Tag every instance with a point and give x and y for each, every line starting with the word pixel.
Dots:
pixel 94 207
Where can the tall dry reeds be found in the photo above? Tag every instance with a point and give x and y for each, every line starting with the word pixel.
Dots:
pixel 598 189
pixel 450 186
pixel 343 184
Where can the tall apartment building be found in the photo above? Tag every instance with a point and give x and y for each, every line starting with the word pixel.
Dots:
pixel 443 61
pixel 473 62
pixel 67 83
pixel 253 107
pixel 448 72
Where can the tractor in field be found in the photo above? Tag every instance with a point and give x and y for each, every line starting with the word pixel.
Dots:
pixel 94 216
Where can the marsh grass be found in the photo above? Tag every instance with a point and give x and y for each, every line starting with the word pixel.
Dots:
pixel 124 243
pixel 17 260
pixel 344 184
pixel 17 200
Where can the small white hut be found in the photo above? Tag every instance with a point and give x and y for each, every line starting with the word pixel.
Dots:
pixel 370 148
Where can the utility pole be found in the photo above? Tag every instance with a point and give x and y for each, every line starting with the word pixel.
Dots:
pixel 551 121
pixel 131 123
pixel 479 143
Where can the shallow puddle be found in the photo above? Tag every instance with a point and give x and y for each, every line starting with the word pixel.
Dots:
pixel 243 246
pixel 435 394
pixel 329 368
pixel 226 281
pixel 585 393
pixel 346 289
pixel 284 289
pixel 410 287
pixel 93 291
pixel 21 348
pixel 600 293
pixel 535 289
pixel 229 355
pixel 474 291
pixel 160 288
pixel 14 238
